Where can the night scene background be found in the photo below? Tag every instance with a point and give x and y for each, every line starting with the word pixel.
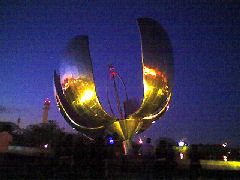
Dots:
pixel 205 37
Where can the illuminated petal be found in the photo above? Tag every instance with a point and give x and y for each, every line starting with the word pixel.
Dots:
pixel 157 60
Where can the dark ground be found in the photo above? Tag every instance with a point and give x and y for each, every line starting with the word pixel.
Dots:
pixel 42 167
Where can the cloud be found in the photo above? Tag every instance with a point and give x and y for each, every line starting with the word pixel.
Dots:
pixel 8 110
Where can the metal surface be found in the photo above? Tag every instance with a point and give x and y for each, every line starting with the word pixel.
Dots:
pixel 157 60
pixel 76 95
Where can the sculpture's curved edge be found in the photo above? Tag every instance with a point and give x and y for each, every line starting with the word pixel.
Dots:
pixel 66 108
pixel 90 132
pixel 147 121
pixel 160 113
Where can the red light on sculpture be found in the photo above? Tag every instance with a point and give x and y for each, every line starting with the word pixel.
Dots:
pixel 113 75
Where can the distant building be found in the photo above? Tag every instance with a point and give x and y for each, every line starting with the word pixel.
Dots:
pixel 18 121
pixel 46 108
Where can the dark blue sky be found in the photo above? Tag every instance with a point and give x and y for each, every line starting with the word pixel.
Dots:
pixel 205 37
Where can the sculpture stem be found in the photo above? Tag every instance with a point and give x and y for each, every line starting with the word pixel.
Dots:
pixel 127 146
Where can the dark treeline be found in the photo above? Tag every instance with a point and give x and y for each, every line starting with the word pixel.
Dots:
pixel 74 156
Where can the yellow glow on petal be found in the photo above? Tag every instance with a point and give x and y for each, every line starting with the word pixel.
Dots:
pixel 61 108
pixel 160 92
pixel 87 96
pixel 147 87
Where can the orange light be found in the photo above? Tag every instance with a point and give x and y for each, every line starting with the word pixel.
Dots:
pixel 124 147
pixel 148 71
pixel 154 73
pixel 68 82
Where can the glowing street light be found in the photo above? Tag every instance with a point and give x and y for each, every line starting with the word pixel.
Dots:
pixel 181 143
pixel 110 140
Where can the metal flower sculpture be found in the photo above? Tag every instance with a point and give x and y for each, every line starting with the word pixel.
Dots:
pixel 76 94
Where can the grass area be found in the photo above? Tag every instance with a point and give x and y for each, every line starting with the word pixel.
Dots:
pixel 220 165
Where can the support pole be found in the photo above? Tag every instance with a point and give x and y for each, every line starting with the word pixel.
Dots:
pixel 108 100
pixel 117 98
pixel 113 75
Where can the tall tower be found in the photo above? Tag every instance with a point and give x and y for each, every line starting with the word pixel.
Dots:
pixel 45 111
pixel 18 121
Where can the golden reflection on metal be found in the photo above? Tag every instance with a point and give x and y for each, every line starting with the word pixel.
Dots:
pixel 76 95
pixel 63 111
pixel 156 94
pixel 81 94
pixel 157 115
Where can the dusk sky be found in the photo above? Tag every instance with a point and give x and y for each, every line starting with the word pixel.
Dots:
pixel 205 36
